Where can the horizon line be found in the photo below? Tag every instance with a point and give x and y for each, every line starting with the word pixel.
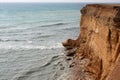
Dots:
pixel 61 2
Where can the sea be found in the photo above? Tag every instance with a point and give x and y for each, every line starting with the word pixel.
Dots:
pixel 31 36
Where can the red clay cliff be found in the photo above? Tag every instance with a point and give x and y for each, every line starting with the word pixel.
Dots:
pixel 97 48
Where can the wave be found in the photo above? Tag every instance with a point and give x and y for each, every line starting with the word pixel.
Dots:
pixel 7 40
pixel 3 46
pixel 56 24
pixel 45 36
pixel 27 74
pixel 70 28
pixel 46 25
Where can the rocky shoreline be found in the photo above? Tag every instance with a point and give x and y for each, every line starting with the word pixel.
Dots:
pixel 96 51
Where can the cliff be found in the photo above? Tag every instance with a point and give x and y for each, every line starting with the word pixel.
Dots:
pixel 97 48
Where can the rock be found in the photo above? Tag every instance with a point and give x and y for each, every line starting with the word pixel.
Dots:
pixel 72 65
pixel 68 59
pixel 100 34
pixel 70 52
pixel 69 44
pixel 62 68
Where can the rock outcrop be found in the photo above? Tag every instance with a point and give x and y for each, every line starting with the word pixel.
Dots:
pixel 97 48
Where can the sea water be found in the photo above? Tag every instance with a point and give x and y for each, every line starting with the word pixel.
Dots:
pixel 31 36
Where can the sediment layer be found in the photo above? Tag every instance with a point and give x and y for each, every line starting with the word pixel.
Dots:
pixel 97 48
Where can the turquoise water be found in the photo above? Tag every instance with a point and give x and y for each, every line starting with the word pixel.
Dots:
pixel 31 36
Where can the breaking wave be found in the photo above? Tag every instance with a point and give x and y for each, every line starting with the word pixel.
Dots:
pixel 3 46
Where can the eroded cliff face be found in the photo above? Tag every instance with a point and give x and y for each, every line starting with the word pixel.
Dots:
pixel 98 45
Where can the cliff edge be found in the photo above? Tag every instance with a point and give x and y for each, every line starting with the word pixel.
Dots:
pixel 97 48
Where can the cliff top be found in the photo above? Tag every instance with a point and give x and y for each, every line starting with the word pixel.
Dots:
pixel 105 5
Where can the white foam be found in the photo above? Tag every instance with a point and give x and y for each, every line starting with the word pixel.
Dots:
pixel 10 46
pixel 29 41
